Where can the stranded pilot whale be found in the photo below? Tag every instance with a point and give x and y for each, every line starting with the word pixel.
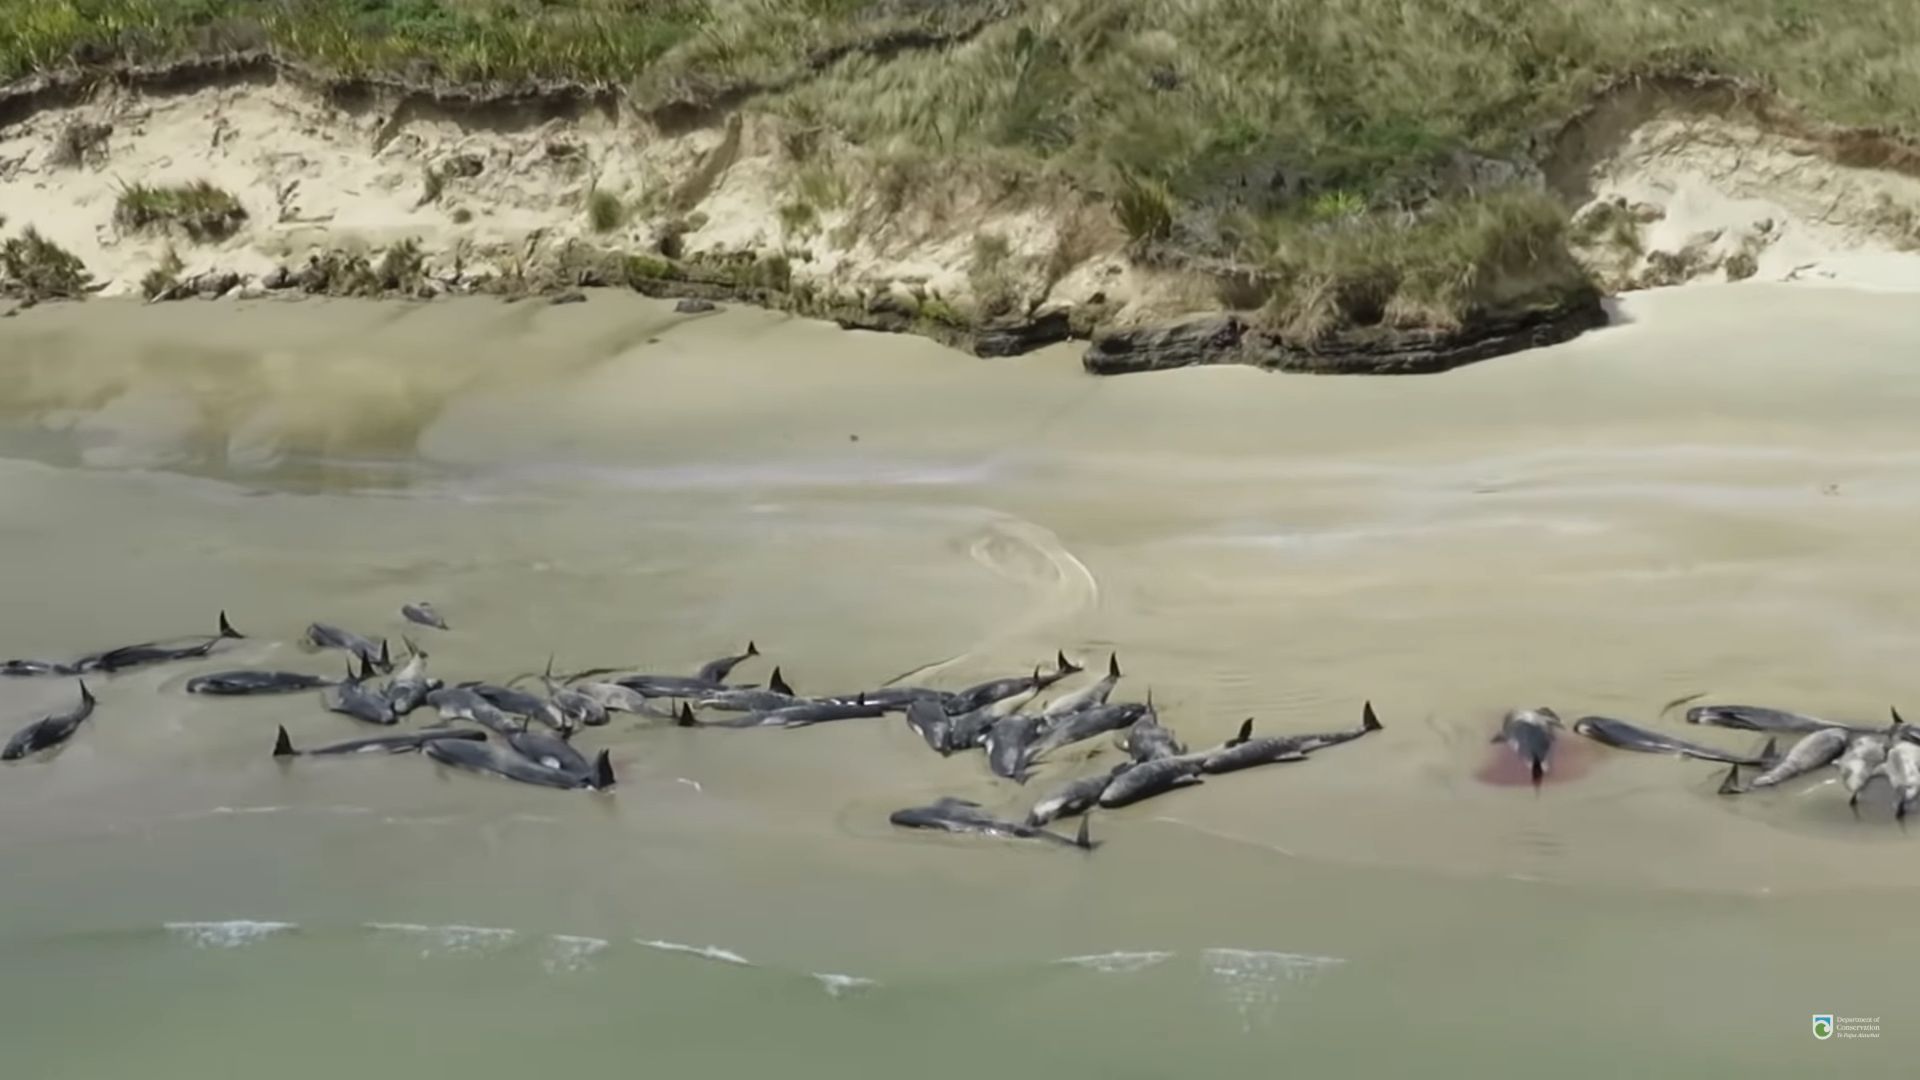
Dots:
pixel 423 613
pixel 1530 733
pixel 248 683
pixel 1624 736
pixel 961 816
pixel 48 731
pixel 155 652
pixel 486 758
pixel 392 744
pixel 1244 751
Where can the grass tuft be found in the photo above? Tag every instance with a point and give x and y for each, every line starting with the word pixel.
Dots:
pixel 1461 258
pixel 1145 209
pixel 798 218
pixel 36 268
pixel 605 211
pixel 402 267
pixel 202 212
pixel 640 268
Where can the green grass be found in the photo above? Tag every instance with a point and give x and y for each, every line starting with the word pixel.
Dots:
pixel 798 218
pixel 605 211
pixel 479 41
pixel 821 184
pixel 650 268
pixel 203 212
pixel 1235 129
pixel 1347 93
pixel 402 267
pixel 1468 257
pixel 37 268
pixel 1145 209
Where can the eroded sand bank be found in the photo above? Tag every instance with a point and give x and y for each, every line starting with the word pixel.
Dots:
pixel 1670 187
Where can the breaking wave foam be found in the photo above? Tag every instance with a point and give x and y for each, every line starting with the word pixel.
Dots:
pixel 229 933
pixel 1115 963
pixel 452 937
pixel 1251 979
pixel 569 952
pixel 842 985
pixel 710 952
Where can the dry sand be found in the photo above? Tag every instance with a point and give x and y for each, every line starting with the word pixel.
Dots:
pixel 1716 197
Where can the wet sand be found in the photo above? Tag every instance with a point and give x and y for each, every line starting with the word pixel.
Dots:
pixel 1714 496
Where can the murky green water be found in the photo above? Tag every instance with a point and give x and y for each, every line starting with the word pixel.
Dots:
pixel 1717 496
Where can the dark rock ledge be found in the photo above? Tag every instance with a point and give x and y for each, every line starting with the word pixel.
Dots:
pixel 1232 339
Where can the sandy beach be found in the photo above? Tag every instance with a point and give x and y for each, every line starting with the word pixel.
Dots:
pixel 1709 497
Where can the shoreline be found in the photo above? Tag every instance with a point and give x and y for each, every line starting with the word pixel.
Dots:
pixel 385 188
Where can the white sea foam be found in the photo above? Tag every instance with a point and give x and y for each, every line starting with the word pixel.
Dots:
pixel 568 952
pixel 229 811
pixel 842 985
pixel 452 937
pixel 229 933
pixel 711 952
pixel 1270 966
pixel 1117 963
pixel 1252 978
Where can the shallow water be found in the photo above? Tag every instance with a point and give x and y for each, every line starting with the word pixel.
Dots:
pixel 1715 496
